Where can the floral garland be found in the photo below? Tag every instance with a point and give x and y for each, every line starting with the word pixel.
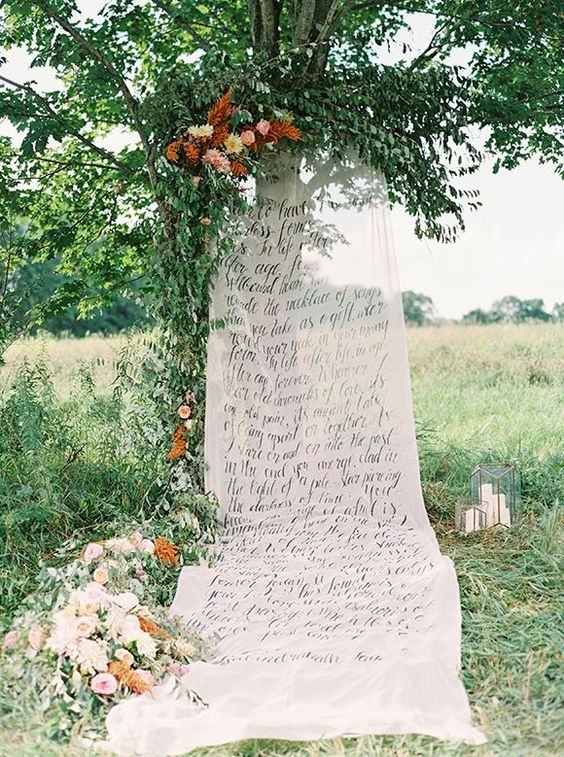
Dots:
pixel 216 157
pixel 228 142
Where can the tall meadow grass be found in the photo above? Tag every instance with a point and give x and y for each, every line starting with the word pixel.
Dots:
pixel 481 394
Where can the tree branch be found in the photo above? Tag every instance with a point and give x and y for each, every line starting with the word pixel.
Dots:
pixel 303 22
pixel 81 138
pixel 130 101
pixel 432 48
pixel 181 21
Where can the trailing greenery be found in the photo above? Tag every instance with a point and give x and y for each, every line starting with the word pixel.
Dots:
pixel 115 217
pixel 85 464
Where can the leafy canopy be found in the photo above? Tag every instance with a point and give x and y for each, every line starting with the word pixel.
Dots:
pixel 87 182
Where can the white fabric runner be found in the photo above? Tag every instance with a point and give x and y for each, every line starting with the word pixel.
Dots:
pixel 335 612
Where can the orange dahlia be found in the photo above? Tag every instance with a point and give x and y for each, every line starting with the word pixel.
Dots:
pixel 173 150
pixel 191 153
pixel 136 680
pixel 151 627
pixel 166 551
pixel 279 129
pixel 221 110
pixel 178 448
pixel 238 169
pixel 220 134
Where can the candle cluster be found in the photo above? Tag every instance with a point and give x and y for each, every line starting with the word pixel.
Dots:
pixel 492 510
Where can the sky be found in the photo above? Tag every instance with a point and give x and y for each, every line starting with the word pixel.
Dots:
pixel 512 245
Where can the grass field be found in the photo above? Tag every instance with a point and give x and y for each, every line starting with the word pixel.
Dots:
pixel 480 394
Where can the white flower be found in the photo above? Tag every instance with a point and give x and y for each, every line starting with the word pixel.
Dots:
pixel 86 625
pixel 92 656
pixel 184 648
pixel 114 619
pixel 126 599
pixel 129 629
pixel 201 131
pixel 233 144
pixel 120 545
pixel 146 645
pixel 63 637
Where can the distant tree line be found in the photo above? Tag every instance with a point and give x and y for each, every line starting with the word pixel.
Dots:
pixel 419 310
pixel 37 282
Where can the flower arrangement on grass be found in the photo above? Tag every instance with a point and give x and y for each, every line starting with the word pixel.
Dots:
pixel 93 634
pixel 228 143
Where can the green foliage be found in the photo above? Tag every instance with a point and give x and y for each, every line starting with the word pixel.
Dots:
pixel 73 464
pixel 511 309
pixel 36 283
pixel 418 309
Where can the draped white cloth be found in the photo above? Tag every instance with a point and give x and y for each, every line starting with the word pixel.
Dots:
pixel 334 610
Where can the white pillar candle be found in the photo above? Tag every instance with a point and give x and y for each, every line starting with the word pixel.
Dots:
pixel 497 511
pixel 504 515
pixel 488 501
pixel 474 520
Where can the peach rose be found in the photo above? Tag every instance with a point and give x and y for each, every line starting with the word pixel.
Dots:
pixel 88 607
pixel 184 411
pixel 205 221
pixel 100 575
pixel 86 625
pixel 248 137
pixel 36 638
pixel 124 655
pixel 263 127
pixel 196 180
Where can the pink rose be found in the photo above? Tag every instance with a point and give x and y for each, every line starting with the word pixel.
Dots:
pixel 248 137
pixel 10 640
pixel 184 411
pixel 263 127
pixel 196 180
pixel 92 552
pixel 136 539
pixel 148 546
pixel 95 592
pixel 189 423
pixel 36 638
pixel 177 669
pixel 104 683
